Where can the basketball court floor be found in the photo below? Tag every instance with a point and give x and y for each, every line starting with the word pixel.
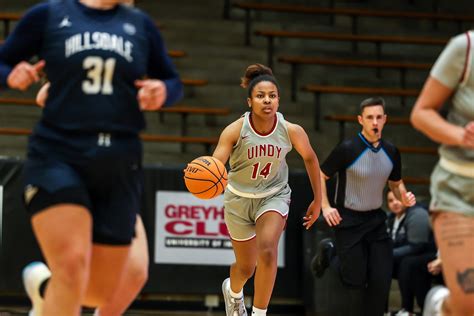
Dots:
pixel 17 304
pixel 23 311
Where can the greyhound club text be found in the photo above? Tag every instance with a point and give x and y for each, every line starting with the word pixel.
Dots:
pixel 195 220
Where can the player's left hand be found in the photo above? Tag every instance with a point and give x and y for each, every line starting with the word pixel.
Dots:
pixel 312 215
pixel 151 94
pixel 408 199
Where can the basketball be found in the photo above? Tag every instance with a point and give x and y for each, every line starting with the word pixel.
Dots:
pixel 205 177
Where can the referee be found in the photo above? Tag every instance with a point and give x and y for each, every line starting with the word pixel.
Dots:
pixel 363 248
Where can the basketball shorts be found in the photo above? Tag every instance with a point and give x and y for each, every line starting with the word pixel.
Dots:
pixel 241 214
pixel 110 187
pixel 451 192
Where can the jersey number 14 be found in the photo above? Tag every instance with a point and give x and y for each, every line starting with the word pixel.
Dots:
pixel 262 172
pixel 99 75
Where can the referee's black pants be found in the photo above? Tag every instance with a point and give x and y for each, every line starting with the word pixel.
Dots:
pixel 364 251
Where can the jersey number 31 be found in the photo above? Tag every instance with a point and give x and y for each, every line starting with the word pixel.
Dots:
pixel 99 75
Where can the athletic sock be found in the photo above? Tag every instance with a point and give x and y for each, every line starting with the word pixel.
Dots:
pixel 236 295
pixel 258 311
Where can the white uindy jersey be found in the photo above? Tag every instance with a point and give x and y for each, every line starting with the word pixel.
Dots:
pixel 257 164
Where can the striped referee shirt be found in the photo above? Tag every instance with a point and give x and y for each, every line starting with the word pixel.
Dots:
pixel 362 172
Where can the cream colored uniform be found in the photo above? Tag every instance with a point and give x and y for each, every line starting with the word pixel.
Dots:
pixel 258 177
pixel 452 180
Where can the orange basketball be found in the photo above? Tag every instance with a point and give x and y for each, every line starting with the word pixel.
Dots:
pixel 205 177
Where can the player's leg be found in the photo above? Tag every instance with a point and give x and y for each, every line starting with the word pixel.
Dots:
pixel 269 228
pixel 64 234
pixel 455 242
pixel 270 223
pixel 242 233
pixel 134 278
pixel 116 189
pixel 244 266
pixel 62 223
pixel 240 271
pixel 107 272
pixel 453 196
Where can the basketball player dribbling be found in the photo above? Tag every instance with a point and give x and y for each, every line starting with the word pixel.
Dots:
pixel 257 196
pixel 84 172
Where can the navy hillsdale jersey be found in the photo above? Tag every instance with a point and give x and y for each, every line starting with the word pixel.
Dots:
pixel 92 60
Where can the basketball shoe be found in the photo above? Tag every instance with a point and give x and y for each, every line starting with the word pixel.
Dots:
pixel 322 259
pixel 434 301
pixel 34 274
pixel 233 306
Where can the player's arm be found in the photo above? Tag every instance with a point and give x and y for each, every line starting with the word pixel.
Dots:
pixel 300 141
pixel 426 118
pixel 164 86
pixel 23 43
pixel 448 71
pixel 228 139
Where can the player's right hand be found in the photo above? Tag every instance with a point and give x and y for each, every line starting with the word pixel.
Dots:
pixel 331 215
pixel 25 74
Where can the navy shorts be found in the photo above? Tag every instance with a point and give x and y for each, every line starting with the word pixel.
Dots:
pixel 107 181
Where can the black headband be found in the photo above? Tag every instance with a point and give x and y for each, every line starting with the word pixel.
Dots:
pixel 261 78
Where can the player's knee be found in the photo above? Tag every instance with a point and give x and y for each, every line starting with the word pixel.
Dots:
pixel 267 255
pixel 246 270
pixel 137 273
pixel 71 268
pixel 99 298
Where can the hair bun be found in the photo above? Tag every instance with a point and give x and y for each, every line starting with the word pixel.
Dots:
pixel 253 71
